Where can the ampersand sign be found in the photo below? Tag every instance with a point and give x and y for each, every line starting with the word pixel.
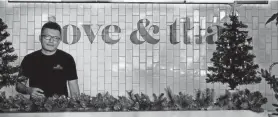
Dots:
pixel 144 33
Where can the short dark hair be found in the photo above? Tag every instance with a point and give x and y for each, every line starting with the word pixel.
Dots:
pixel 51 25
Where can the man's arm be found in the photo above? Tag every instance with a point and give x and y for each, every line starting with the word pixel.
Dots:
pixel 25 73
pixel 74 88
pixel 21 87
pixel 32 91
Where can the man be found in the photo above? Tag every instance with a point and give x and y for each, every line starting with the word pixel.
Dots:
pixel 49 69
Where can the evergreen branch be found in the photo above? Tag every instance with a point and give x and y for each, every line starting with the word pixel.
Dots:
pixel 170 96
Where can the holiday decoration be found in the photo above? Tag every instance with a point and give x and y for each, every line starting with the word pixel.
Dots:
pixel 8 72
pixel 273 17
pixel 159 102
pixel 242 100
pixel 123 104
pixel 204 99
pixel 140 102
pixel 171 100
pixel 184 101
pixel 272 81
pixel 232 61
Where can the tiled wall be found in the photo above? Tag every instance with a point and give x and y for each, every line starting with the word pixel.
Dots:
pixel 146 68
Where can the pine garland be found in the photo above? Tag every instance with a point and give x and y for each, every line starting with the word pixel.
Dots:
pixel 203 100
pixel 242 100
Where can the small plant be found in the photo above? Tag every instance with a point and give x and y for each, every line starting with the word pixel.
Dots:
pixel 204 99
pixel 39 104
pixel 184 101
pixel 142 102
pixel 224 101
pixel 159 102
pixel 123 104
pixel 99 102
pixel 62 102
pixel 84 101
pixel 102 102
pixel 242 100
pixel 4 103
pixel 22 103
pixel 172 101
pixel 49 104
pixel 109 101
pixel 256 100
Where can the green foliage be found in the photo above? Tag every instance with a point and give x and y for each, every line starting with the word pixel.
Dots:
pixel 139 102
pixel 184 101
pixel 273 17
pixel 159 102
pixel 104 102
pixel 203 100
pixel 18 102
pixel 8 71
pixel 272 81
pixel 123 104
pixel 171 102
pixel 242 100
pixel 232 61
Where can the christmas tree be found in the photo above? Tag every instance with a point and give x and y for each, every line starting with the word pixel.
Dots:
pixel 8 72
pixel 232 61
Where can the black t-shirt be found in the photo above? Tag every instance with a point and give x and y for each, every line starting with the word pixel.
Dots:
pixel 49 72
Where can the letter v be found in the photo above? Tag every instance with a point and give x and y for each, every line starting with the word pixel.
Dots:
pixel 89 31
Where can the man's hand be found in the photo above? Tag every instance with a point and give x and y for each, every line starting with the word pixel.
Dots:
pixel 32 91
pixel 35 92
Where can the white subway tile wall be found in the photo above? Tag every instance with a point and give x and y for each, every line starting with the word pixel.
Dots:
pixel 146 68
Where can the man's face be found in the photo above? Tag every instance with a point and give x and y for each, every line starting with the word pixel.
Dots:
pixel 50 39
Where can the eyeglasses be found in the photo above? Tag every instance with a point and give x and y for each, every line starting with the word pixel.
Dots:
pixel 48 37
